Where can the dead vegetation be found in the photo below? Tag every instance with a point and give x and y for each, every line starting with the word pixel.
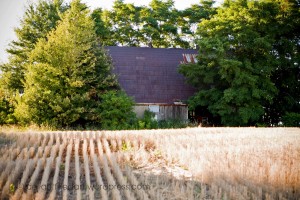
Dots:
pixel 197 163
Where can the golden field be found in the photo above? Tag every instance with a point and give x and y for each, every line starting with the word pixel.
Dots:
pixel 191 163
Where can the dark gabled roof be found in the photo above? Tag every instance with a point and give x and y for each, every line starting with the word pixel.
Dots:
pixel 149 75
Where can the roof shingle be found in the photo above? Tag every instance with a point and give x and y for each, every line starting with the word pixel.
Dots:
pixel 150 75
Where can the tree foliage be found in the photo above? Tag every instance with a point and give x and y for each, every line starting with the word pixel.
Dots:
pixel 6 109
pixel 239 61
pixel 286 75
pixel 123 21
pixel 158 25
pixel 67 75
pixel 116 111
pixel 103 32
pixel 291 119
pixel 38 20
pixel 189 18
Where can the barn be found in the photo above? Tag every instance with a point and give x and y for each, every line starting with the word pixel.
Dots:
pixel 150 77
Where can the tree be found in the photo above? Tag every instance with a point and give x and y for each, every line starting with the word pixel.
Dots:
pixel 233 75
pixel 160 27
pixel 189 18
pixel 103 31
pixel 38 20
pixel 116 111
pixel 68 74
pixel 156 25
pixel 6 109
pixel 286 76
pixel 123 21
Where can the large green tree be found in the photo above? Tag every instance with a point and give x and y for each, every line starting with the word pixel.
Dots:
pixel 38 20
pixel 189 18
pixel 286 76
pixel 235 63
pixel 67 74
pixel 123 22
pixel 103 29
pixel 158 25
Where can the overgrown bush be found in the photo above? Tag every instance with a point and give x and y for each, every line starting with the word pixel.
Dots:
pixel 6 110
pixel 172 123
pixel 116 111
pixel 149 122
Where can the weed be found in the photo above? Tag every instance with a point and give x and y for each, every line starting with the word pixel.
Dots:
pixel 126 146
pixel 12 188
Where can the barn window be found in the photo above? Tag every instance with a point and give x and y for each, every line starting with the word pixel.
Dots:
pixel 154 109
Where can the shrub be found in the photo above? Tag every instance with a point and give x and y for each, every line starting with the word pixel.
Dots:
pixel 149 122
pixel 6 111
pixel 172 123
pixel 116 111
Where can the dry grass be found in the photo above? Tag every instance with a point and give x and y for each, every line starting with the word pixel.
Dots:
pixel 195 163
pixel 255 163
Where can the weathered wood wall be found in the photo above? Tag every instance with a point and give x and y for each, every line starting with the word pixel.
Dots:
pixel 166 112
pixel 139 110
pixel 174 112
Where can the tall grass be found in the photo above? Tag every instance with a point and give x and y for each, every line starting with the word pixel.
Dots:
pixel 77 169
pixel 52 194
pixel 119 176
pixel 254 159
pixel 33 179
pixel 67 167
pixel 194 163
pixel 110 179
pixel 28 170
pixel 12 178
pixel 97 170
pixel 42 189
pixel 87 171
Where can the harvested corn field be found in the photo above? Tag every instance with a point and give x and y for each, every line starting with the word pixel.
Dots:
pixel 192 163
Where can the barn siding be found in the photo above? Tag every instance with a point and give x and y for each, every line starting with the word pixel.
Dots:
pixel 166 112
pixel 139 110
pixel 174 112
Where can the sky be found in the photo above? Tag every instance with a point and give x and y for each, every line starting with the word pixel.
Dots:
pixel 11 11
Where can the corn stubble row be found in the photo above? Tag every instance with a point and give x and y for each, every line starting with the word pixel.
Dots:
pixel 225 163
